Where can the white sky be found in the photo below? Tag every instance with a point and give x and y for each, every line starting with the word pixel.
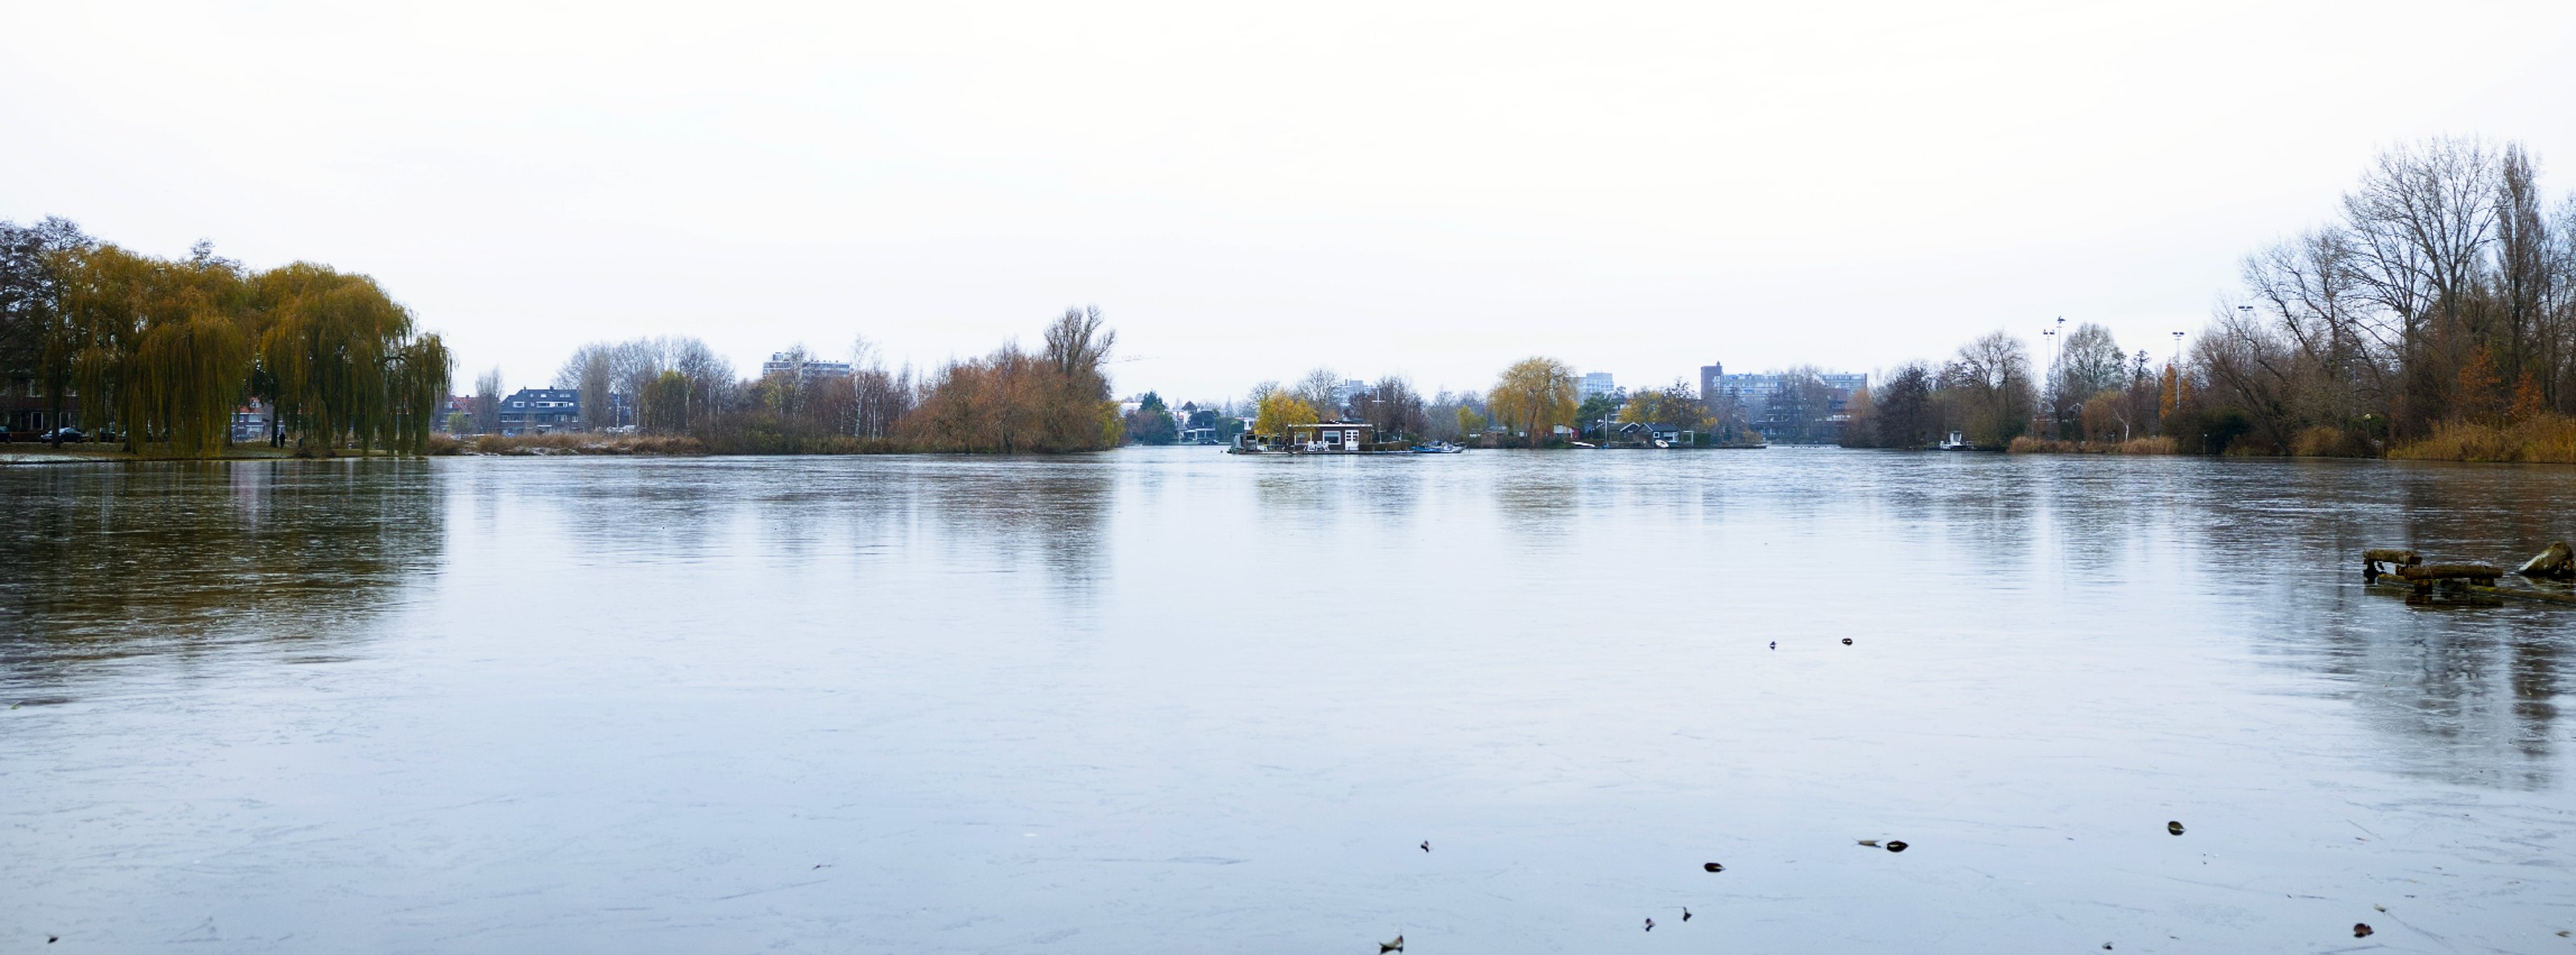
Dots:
pixel 1432 190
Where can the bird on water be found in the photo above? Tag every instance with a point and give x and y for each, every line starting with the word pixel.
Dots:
pixel 1426 845
pixel 1394 946
pixel 1650 925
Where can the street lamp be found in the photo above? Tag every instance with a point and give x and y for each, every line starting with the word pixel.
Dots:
pixel 2177 371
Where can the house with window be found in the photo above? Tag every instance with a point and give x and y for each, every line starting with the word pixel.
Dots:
pixel 1659 435
pixel 27 409
pixel 541 410
pixel 1322 437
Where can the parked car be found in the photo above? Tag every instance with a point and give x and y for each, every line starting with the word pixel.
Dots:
pixel 65 435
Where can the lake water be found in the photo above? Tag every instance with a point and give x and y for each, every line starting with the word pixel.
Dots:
pixel 1167 700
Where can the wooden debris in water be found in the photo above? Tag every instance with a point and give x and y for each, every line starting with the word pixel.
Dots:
pixel 2481 573
pixel 2556 563
pixel 2382 560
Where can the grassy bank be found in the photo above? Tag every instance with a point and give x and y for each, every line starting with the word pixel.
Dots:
pixel 2540 439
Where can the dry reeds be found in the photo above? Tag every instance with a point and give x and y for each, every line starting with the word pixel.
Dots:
pixel 2546 438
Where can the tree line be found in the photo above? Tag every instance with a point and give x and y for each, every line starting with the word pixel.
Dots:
pixel 162 351
pixel 1528 401
pixel 1010 401
pixel 2442 296
pixel 2440 302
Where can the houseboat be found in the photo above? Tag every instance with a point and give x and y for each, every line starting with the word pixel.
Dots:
pixel 1322 437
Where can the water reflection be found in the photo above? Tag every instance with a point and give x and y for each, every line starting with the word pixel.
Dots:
pixel 112 561
pixel 2465 695
pixel 982 704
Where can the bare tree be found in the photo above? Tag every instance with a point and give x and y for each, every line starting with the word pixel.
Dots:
pixel 1078 343
pixel 1321 389
pixel 589 372
pixel 1991 376
pixel 487 402
pixel 2419 227
pixel 1393 406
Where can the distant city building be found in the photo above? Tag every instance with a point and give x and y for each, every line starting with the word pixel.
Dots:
pixel 805 368
pixel 541 409
pixel 1343 395
pixel 1594 384
pixel 1755 393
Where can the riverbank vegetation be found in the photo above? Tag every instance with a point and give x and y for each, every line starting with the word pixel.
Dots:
pixel 1010 401
pixel 162 351
pixel 2434 318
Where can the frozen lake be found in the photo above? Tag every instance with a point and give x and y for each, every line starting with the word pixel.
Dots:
pixel 1167 700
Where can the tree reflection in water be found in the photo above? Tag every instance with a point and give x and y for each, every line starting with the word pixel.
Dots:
pixel 175 558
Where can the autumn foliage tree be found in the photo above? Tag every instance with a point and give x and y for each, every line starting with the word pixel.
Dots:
pixel 1015 402
pixel 163 350
pixel 1279 411
pixel 1533 396
pixel 1674 404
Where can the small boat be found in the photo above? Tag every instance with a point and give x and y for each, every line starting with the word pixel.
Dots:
pixel 1583 444
pixel 1437 447
pixel 1958 441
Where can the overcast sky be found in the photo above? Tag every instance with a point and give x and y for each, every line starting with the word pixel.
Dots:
pixel 1251 191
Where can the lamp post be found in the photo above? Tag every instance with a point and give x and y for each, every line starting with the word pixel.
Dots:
pixel 2177 371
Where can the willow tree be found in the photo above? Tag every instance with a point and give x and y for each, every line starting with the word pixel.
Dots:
pixel 341 356
pixel 105 293
pixel 191 365
pixel 1534 395
pixel 187 376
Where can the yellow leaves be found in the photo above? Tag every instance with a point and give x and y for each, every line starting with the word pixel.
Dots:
pixel 1279 411
pixel 1534 395
pixel 165 349
pixel 1673 405
pixel 186 377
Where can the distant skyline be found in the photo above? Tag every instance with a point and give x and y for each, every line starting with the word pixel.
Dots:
pixel 1429 190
